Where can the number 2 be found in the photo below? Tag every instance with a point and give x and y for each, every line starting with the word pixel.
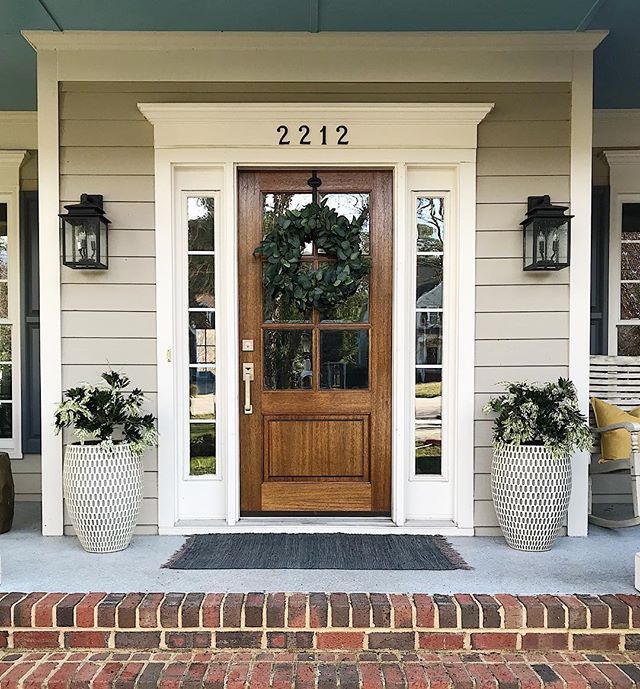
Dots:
pixel 285 131
pixel 342 130
pixel 304 130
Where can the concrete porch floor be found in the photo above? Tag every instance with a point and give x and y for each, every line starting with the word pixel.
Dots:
pixel 602 563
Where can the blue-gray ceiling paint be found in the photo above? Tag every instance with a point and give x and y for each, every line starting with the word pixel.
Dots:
pixel 617 63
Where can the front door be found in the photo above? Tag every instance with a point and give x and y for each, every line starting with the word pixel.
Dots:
pixel 315 435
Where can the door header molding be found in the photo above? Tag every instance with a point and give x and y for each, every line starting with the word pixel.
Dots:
pixel 371 125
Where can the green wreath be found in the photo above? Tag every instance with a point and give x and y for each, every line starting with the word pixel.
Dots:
pixel 287 277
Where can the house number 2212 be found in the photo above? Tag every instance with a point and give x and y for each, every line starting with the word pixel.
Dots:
pixel 327 135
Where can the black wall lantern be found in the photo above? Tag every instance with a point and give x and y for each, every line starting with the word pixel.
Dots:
pixel 84 234
pixel 546 235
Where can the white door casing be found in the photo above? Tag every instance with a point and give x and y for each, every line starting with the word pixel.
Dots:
pixel 431 148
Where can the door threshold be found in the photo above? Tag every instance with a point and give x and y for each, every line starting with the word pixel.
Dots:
pixel 368 525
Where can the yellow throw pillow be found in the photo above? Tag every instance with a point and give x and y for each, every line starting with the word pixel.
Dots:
pixel 614 444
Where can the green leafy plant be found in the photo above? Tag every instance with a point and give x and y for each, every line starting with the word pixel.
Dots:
pixel 545 414
pixel 98 412
pixel 287 277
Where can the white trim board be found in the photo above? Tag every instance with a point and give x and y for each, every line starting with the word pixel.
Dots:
pixel 10 162
pixel 306 57
pixel 440 164
pixel 580 274
pixel 625 188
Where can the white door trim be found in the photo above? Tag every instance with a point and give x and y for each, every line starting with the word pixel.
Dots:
pixel 405 138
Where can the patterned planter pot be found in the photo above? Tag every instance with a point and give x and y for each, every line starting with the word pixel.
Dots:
pixel 531 491
pixel 103 493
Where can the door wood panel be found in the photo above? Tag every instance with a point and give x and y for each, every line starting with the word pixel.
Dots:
pixel 322 444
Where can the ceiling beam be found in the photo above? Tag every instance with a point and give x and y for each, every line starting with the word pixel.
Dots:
pixel 50 15
pixel 585 22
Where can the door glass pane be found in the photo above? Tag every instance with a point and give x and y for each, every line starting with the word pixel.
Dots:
pixel 6 420
pixel 344 359
pixel 430 223
pixel 354 309
pixel 428 394
pixel 275 204
pixel 629 340
pixel 5 382
pixel 629 300
pixel 201 282
pixel 287 360
pixel 281 310
pixel 202 337
pixel 631 220
pixel 4 257
pixel 429 282
pixel 428 449
pixel 5 343
pixel 353 206
pixel 200 221
pixel 202 449
pixel 429 337
pixel 630 263
pixel 202 393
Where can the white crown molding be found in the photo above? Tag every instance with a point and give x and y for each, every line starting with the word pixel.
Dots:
pixel 494 41
pixel 622 157
pixel 10 162
pixel 613 128
pixel 356 113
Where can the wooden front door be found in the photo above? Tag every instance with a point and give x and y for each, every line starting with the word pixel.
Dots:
pixel 318 438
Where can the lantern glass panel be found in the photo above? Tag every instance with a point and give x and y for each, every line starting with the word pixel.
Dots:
pixel 547 244
pixel 528 245
pixel 104 254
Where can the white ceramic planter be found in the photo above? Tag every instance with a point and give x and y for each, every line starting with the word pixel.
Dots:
pixel 531 491
pixel 103 493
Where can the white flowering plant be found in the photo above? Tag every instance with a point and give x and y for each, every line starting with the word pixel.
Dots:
pixel 105 414
pixel 545 414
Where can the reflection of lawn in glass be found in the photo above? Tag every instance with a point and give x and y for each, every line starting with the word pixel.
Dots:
pixel 433 389
pixel 428 459
pixel 202 442
pixel 200 466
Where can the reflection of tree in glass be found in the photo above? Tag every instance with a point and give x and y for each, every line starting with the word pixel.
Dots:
pixel 5 343
pixel 287 359
pixel 430 223
pixel 355 309
pixel 201 218
pixel 354 206
pixel 201 282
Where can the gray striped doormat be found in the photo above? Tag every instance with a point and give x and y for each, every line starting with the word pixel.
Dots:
pixel 316 551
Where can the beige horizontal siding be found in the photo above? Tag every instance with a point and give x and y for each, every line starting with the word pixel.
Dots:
pixel 130 270
pixel 523 161
pixel 531 297
pixel 522 325
pixel 114 324
pixel 27 478
pixel 508 271
pixel 524 353
pixel 87 296
pixel 523 149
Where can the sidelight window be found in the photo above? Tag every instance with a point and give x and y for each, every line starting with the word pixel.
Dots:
pixel 429 236
pixel 201 332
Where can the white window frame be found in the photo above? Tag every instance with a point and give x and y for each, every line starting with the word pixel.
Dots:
pixel 624 188
pixel 10 162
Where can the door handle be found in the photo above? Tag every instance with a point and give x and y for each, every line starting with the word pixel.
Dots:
pixel 247 376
